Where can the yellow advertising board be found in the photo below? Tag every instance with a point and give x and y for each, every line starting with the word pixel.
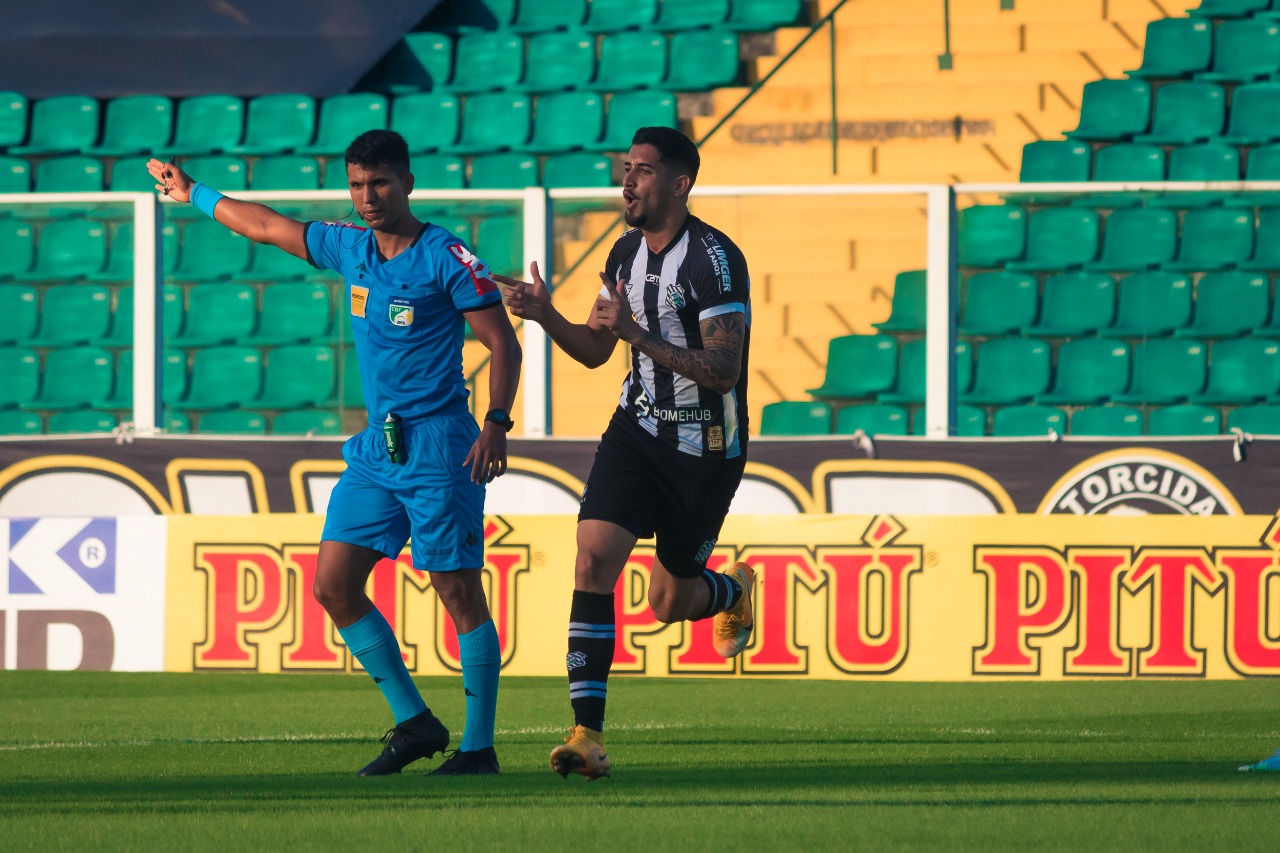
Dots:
pixel 910 598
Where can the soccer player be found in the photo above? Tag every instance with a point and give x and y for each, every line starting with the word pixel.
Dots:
pixel 672 456
pixel 418 472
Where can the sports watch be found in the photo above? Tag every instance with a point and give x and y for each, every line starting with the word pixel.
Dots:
pixel 501 418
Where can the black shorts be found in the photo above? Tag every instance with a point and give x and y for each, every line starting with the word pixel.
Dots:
pixel 653 490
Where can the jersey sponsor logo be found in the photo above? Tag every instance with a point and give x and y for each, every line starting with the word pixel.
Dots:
pixel 719 264
pixel 676 296
pixel 479 269
pixel 359 299
pixel 400 312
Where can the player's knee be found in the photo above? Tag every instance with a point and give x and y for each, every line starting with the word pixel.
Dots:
pixel 592 569
pixel 666 606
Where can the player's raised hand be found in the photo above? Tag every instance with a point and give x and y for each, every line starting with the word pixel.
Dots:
pixel 170 180
pixel 528 300
pixel 612 310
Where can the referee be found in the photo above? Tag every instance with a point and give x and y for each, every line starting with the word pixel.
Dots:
pixel 672 456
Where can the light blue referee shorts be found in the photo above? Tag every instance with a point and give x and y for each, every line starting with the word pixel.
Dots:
pixel 429 499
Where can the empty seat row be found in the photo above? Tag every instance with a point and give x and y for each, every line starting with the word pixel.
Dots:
pixel 1064 161
pixel 279 123
pixel 1184 111
pixel 81 173
pixel 1144 304
pixel 688 61
pixel 1238 50
pixel 1088 370
pixel 220 377
pixel 1059 238
pixel 816 418
pixel 612 15
pixel 305 422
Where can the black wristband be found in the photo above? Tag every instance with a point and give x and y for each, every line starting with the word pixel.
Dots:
pixel 501 418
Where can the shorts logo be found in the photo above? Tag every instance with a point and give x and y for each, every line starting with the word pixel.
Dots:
pixel 1138 482
pixel 715 438
pixel 675 295
pixel 573 660
pixel 400 313
pixel 704 553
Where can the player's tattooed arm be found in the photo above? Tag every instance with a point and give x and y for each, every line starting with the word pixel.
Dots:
pixel 716 366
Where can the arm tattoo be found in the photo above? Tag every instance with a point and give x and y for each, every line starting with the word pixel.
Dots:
pixel 716 365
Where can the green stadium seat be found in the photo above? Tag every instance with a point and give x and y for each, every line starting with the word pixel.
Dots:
pixel 69 249
pixel 762 15
pixel 277 123
pixel 1214 238
pixel 121 332
pixel 428 121
pixel 1228 304
pixel 564 121
pixel 487 62
pixel 419 61
pixel 492 122
pixel 1209 162
pixel 1121 421
pixel 1129 162
pixel 15 173
pixel 135 124
pixel 71 174
pixel 298 375
pixel 992 234
pixel 130 175
pixel 289 172
pixel 1090 370
pixel 911 383
pixel 210 251
pixel 1229 8
pixel 343 118
pixel 20 368
pixel 999 302
pixel 20 423
pixel 85 420
pixel 1113 109
pixel 307 422
pixel 73 313
pixel 558 61
pixel 350 392
pixel 1255 114
pixel 176 423
pixel 709 60
pixel 907 310
pixel 687 14
pixel 859 366
pixel 119 266
pixel 503 171
pixel 273 264
pixel 1137 238
pixel 1165 370
pixel 628 111
pixel 1075 303
pixel 1151 303
pixel 219 313
pixel 1255 420
pixel 1009 370
pixel 1263 164
pixel 500 242
pixel 971 422
pixel 294 312
pixel 222 377
pixel 474 15
pixel 206 124
pixel 458 226
pixel 21 313
pixel 1186 111
pixel 75 377
pixel 1242 370
pixel 66 124
pixel 224 172
pixel 612 15
pixel 1058 238
pixel 437 172
pixel 1266 252
pixel 13 119
pixel 1175 48
pixel 1244 50
pixel 872 419
pixel 577 169
pixel 631 60
pixel 1055 161
pixel 536 16
pixel 1184 420
pixel 232 422
pixel 1028 421
pixel 796 417
pixel 17 248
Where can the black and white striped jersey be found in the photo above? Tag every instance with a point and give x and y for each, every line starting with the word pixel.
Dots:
pixel 699 275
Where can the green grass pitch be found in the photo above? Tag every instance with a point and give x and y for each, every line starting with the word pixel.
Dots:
pixel 112 761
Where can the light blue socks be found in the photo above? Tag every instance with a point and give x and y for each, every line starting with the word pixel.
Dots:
pixel 374 644
pixel 481 661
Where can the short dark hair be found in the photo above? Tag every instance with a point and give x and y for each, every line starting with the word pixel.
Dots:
pixel 674 148
pixel 377 148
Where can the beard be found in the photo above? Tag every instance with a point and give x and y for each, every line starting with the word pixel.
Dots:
pixel 635 219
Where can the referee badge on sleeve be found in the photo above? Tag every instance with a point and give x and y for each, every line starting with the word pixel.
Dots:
pixel 400 312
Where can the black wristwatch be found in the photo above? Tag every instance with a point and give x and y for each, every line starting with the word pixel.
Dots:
pixel 501 418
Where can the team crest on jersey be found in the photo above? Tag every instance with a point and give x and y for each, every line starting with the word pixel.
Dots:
pixel 400 312
pixel 676 296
